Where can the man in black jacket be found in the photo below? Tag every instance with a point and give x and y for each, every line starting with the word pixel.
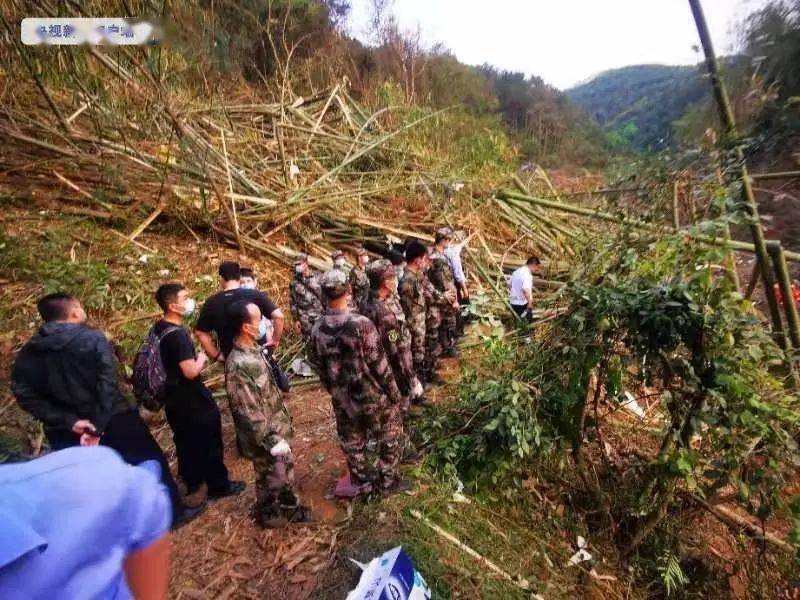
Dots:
pixel 66 376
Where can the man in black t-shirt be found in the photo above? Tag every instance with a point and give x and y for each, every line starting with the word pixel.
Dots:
pixel 189 406
pixel 216 316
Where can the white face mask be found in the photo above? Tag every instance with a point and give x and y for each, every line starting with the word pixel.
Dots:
pixel 363 259
pixel 249 285
pixel 189 307
pixel 339 262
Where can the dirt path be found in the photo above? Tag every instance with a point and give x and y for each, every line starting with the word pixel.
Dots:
pixel 223 554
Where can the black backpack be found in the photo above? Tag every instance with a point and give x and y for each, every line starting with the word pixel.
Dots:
pixel 149 376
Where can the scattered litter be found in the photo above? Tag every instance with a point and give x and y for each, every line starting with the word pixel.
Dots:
pixel 300 367
pixel 294 170
pixel 390 576
pixel 458 495
pixel 632 406
pixel 581 555
pixel 144 258
pixel 164 273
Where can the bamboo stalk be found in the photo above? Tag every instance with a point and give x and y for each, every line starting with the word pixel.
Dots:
pixel 599 215
pixel 727 118
pixel 784 281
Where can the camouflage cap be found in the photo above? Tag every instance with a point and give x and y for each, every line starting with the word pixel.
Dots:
pixel 378 270
pixel 334 283
pixel 444 233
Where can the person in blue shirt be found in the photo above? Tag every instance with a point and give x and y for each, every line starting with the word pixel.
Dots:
pixel 81 523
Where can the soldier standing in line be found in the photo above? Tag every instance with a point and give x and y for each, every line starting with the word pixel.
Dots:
pixel 435 303
pixel 412 300
pixel 392 329
pixel 305 297
pixel 441 276
pixel 340 264
pixel 262 422
pixel 346 350
pixel 359 282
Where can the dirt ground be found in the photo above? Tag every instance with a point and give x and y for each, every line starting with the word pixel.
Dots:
pixel 224 554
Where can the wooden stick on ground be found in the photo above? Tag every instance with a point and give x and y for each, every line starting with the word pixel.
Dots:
pixel 517 581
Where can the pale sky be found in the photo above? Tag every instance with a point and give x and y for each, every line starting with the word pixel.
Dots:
pixel 564 41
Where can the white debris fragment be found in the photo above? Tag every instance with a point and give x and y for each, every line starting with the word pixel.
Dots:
pixel 632 406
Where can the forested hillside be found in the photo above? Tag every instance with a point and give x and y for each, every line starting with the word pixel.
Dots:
pixel 638 104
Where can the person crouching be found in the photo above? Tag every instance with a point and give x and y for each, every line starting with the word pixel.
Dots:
pixel 262 422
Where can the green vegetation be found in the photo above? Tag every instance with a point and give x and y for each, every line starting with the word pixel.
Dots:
pixel 637 105
pixel 648 319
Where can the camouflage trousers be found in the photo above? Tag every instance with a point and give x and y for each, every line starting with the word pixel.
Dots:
pixel 448 328
pixel 275 493
pixel 433 341
pixel 416 327
pixel 373 453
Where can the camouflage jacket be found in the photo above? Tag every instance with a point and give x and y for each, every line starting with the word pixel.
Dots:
pixel 255 400
pixel 359 285
pixel 412 295
pixel 435 299
pixel 347 353
pixel 305 301
pixel 440 273
pixel 395 338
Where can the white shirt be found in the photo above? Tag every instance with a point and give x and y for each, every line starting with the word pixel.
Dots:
pixel 521 279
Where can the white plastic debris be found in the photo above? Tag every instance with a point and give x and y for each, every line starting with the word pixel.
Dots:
pixel 164 273
pixel 144 258
pixel 458 186
pixel 391 576
pixel 458 495
pixel 294 170
pixel 632 406
pixel 582 554
pixel 280 449
pixel 300 367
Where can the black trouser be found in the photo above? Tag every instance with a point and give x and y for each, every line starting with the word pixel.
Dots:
pixel 523 311
pixel 197 430
pixel 129 435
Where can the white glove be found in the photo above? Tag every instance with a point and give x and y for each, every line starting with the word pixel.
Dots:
pixel 280 449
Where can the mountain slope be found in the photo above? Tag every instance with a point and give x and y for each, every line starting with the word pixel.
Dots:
pixel 638 104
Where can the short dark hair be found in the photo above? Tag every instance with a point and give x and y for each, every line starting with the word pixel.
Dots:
pixel 167 293
pixel 239 315
pixel 246 272
pixel 414 250
pixel 55 307
pixel 396 258
pixel 533 260
pixel 230 271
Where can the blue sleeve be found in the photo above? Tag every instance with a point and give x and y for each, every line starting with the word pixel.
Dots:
pixel 149 511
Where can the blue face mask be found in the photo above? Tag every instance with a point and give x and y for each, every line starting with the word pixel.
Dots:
pixel 262 328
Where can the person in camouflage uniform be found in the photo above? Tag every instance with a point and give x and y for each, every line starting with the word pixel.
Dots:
pixel 359 282
pixel 441 276
pixel 395 337
pixel 435 303
pixel 346 351
pixel 412 300
pixel 305 296
pixel 340 264
pixel 262 423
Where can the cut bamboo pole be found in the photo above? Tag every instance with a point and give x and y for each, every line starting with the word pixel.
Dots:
pixel 728 121
pixel 784 281
pixel 599 215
